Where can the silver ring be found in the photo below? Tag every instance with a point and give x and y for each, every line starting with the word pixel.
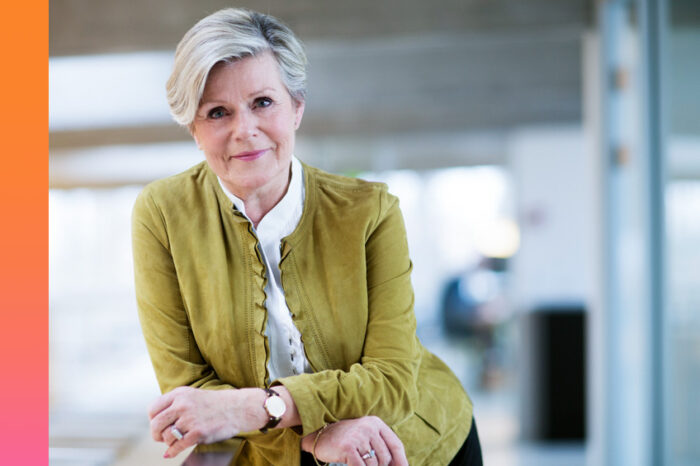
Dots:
pixel 176 432
pixel 368 455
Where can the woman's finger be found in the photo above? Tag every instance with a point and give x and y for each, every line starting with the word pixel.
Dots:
pixel 160 403
pixel 165 400
pixel 162 422
pixel 189 439
pixel 393 442
pixel 170 437
pixel 381 452
pixel 355 459
pixel 369 456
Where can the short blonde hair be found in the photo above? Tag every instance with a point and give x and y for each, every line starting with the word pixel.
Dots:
pixel 229 35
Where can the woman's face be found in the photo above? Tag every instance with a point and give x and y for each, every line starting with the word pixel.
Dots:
pixel 245 125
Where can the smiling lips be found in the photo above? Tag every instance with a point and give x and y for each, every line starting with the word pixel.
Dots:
pixel 250 155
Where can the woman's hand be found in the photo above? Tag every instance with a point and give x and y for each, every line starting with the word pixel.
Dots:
pixel 205 416
pixel 350 441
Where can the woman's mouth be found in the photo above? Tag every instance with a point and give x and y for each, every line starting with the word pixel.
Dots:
pixel 249 155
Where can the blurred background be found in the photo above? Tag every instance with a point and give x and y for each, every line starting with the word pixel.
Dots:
pixel 547 158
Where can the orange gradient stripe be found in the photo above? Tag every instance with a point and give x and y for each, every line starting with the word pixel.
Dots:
pixel 24 233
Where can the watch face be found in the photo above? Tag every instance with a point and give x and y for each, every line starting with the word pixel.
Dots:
pixel 275 406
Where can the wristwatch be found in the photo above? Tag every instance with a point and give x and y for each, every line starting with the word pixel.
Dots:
pixel 275 407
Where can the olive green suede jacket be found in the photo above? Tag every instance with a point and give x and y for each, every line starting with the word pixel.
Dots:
pixel 346 275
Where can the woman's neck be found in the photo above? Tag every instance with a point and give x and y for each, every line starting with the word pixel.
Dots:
pixel 256 207
pixel 258 202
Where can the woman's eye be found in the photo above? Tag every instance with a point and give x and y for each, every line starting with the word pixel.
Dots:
pixel 263 102
pixel 216 113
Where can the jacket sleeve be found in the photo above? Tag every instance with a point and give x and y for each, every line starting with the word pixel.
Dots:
pixel 176 358
pixel 383 382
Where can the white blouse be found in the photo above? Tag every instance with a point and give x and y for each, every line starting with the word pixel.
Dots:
pixel 287 355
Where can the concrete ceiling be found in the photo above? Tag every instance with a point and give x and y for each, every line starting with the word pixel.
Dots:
pixel 86 26
pixel 379 70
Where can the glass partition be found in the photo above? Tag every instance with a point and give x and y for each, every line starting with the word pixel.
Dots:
pixel 682 225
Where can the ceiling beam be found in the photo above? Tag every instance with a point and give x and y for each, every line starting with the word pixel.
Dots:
pixel 89 27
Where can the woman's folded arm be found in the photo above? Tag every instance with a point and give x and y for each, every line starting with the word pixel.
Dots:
pixel 176 358
pixel 382 383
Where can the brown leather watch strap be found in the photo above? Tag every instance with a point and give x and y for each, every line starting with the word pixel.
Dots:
pixel 272 421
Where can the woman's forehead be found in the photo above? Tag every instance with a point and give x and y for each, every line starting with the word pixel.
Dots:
pixel 244 77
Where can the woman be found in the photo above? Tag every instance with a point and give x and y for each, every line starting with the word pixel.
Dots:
pixel 275 299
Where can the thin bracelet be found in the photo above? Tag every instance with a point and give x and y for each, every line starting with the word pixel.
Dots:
pixel 313 449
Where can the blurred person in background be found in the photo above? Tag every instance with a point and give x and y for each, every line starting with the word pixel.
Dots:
pixel 275 299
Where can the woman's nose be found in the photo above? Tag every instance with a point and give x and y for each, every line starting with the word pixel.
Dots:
pixel 243 125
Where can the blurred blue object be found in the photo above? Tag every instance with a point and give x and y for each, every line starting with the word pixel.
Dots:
pixel 472 302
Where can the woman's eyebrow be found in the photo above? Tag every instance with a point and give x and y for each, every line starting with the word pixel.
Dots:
pixel 264 89
pixel 205 101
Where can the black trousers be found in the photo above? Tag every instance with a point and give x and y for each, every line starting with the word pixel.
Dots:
pixel 468 455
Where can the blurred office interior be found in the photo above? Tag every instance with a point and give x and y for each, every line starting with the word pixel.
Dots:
pixel 547 158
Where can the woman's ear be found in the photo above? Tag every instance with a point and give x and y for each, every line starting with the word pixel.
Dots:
pixel 194 136
pixel 299 113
